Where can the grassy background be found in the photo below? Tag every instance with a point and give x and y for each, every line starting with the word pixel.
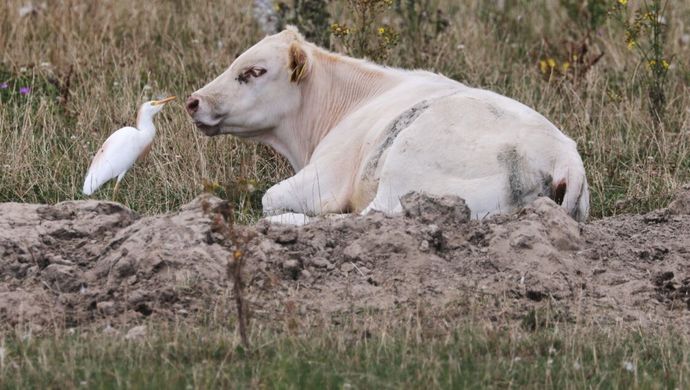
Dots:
pixel 90 64
pixel 115 56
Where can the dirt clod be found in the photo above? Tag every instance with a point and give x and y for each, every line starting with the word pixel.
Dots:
pixel 98 263
pixel 681 205
pixel 136 333
pixel 448 209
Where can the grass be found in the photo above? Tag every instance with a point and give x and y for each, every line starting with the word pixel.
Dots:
pixel 361 355
pixel 91 65
pixel 111 58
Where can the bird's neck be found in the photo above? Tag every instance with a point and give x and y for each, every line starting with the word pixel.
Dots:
pixel 145 123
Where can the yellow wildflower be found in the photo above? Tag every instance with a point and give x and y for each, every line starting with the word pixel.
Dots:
pixel 565 66
pixel 665 64
pixel 543 66
pixel 382 30
pixel 551 62
pixel 623 2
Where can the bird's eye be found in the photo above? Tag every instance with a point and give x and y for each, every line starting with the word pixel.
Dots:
pixel 248 73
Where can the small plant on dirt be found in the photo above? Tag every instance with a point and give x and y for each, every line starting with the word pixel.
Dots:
pixel 365 36
pixel 243 192
pixel 645 34
pixel 223 224
pixel 242 188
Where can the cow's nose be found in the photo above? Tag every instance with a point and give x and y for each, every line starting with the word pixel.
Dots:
pixel 192 105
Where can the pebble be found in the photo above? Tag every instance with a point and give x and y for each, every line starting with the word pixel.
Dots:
pixel 347 267
pixel 287 236
pixel 106 307
pixel 292 267
pixel 109 330
pixel 353 251
pixel 136 333
pixel 424 246
pixel 320 262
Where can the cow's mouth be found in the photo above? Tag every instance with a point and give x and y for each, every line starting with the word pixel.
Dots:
pixel 221 128
pixel 208 130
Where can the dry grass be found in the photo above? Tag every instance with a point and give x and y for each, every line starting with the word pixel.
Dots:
pixel 122 53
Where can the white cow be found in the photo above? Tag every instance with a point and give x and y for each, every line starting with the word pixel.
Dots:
pixel 359 136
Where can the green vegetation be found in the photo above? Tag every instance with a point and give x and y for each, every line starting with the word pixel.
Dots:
pixel 646 34
pixel 363 356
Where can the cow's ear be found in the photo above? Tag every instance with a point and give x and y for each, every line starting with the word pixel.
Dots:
pixel 298 63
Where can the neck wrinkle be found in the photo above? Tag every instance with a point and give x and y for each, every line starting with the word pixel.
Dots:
pixel 335 87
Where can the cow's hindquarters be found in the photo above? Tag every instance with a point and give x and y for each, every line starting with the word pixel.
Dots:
pixel 495 158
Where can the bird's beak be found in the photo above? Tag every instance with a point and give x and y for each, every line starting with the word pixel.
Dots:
pixel 163 101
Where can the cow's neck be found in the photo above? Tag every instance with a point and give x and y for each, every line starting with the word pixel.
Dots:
pixel 335 87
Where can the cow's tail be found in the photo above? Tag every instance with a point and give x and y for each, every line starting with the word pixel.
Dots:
pixel 569 187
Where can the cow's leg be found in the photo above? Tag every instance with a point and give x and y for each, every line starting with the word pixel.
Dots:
pixel 314 190
pixel 296 219
pixel 483 196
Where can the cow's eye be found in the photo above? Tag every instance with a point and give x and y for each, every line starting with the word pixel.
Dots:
pixel 254 71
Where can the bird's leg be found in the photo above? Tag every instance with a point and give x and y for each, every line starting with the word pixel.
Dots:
pixel 117 184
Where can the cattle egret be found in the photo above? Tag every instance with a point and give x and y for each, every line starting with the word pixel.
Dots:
pixel 123 148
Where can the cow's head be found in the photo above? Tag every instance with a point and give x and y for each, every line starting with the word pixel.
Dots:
pixel 258 91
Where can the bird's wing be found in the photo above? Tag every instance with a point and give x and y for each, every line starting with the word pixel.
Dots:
pixel 115 157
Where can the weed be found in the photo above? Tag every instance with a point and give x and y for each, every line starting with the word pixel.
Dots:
pixel 365 36
pixel 223 224
pixel 646 35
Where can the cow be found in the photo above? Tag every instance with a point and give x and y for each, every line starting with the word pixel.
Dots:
pixel 360 136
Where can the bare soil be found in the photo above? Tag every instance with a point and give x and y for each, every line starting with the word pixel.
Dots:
pixel 90 263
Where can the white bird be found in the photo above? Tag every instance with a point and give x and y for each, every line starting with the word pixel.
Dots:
pixel 123 148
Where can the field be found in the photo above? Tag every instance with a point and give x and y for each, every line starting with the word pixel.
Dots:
pixel 73 71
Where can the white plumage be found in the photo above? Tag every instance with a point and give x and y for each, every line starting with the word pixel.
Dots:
pixel 123 148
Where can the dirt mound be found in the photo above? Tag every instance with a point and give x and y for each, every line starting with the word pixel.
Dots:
pixel 87 262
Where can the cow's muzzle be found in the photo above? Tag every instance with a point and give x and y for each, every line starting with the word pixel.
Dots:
pixel 192 105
